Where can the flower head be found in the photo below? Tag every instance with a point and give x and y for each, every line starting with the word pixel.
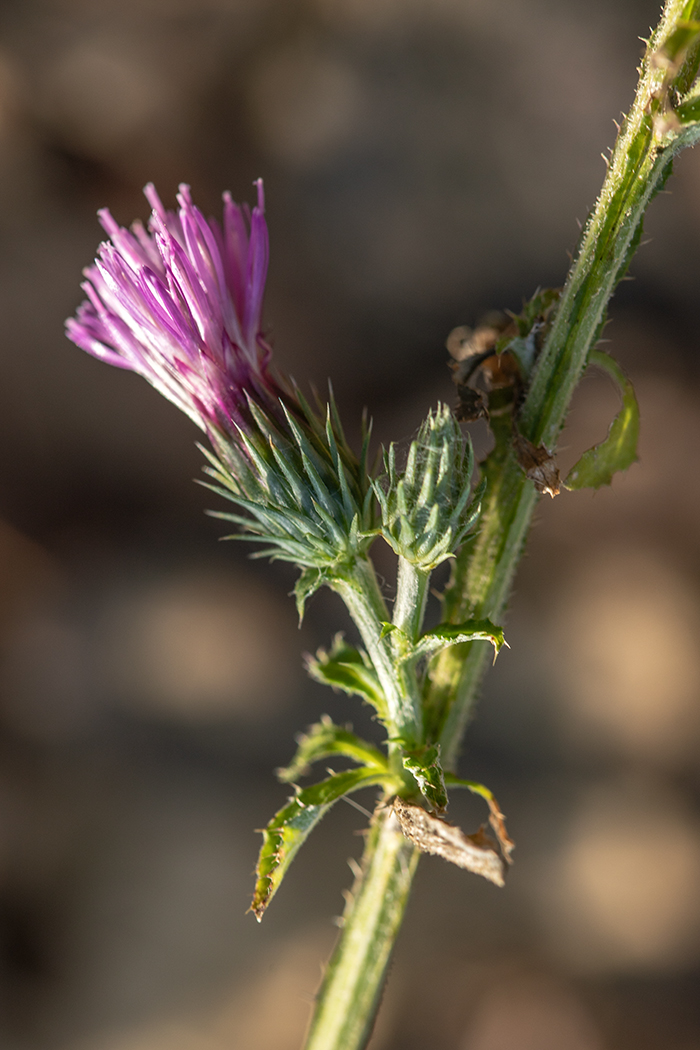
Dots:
pixel 180 303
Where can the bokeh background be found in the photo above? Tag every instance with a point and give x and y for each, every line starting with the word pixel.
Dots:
pixel 425 161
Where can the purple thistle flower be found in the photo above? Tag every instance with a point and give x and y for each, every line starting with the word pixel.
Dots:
pixel 181 305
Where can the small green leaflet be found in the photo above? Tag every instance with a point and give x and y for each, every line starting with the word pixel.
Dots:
pixel 427 772
pixel 597 466
pixel 348 669
pixel 291 826
pixel 324 739
pixel 308 583
pixel 453 634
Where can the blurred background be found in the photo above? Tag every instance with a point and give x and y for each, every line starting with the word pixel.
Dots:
pixel 425 161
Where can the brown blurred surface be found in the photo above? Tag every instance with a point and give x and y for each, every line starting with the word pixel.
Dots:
pixel 424 161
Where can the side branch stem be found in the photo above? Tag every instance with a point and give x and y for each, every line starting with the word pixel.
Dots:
pixel 359 590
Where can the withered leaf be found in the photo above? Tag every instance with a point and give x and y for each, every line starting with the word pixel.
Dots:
pixel 497 819
pixel 464 342
pixel 538 463
pixel 476 853
pixel 471 404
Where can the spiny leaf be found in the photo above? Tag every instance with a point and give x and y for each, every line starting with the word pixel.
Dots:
pixel 307 584
pixel 424 765
pixel 348 669
pixel 291 826
pixel 597 466
pixel 324 739
pixel 454 634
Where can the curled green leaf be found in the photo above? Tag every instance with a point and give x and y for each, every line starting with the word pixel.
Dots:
pixel 324 739
pixel 597 466
pixel 452 634
pixel 348 669
pixel 292 825
pixel 424 765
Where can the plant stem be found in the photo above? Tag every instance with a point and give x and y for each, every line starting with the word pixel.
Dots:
pixel 640 164
pixel 353 983
pixel 484 570
pixel 359 590
pixel 411 595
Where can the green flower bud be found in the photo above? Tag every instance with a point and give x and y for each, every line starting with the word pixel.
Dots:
pixel 303 493
pixel 426 509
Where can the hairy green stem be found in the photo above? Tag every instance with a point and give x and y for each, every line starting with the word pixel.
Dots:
pixel 411 595
pixel 640 163
pixel 358 588
pixel 651 135
pixel 353 983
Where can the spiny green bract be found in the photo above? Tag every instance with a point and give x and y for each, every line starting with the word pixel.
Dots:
pixel 308 498
pixel 426 509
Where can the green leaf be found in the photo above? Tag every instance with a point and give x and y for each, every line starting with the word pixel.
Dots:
pixel 350 670
pixel 291 826
pixel 597 466
pixel 308 583
pixel 454 634
pixel 324 739
pixel 424 765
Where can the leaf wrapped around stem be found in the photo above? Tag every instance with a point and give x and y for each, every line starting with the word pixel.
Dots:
pixel 349 669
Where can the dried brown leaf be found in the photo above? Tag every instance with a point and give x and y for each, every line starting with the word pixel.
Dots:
pixel 471 404
pixel 464 342
pixel 497 821
pixel 538 463
pixel 476 853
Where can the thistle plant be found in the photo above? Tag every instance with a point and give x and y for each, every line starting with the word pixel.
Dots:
pixel 180 303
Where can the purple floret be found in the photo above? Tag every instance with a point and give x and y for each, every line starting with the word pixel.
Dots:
pixel 181 303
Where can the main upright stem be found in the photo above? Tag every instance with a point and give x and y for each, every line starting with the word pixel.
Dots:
pixel 353 984
pixel 651 135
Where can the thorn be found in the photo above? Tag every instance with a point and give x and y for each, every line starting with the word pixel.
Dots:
pixel 607 162
pixel 356 805
pixel 355 867
pixel 579 224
